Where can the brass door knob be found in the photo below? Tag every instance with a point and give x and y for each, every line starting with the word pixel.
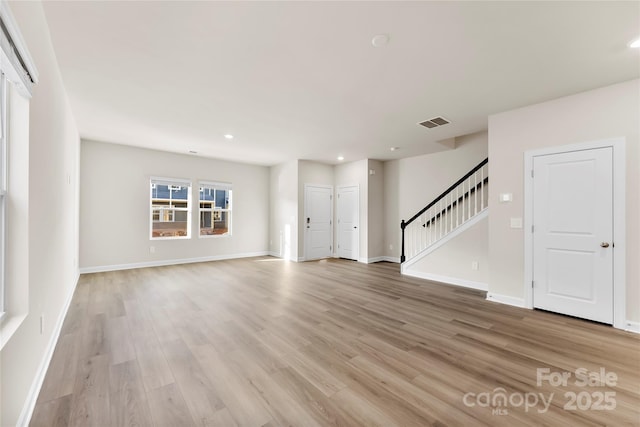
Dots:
pixel 604 244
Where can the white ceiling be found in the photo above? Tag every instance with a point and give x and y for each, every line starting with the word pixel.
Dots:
pixel 301 80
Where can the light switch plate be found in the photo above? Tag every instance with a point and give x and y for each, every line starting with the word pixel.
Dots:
pixel 506 197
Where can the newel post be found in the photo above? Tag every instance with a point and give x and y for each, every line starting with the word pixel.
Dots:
pixel 402 226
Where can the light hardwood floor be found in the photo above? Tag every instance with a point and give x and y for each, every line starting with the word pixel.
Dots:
pixel 263 342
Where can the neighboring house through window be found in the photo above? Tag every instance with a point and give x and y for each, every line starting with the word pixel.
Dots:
pixel 215 209
pixel 170 208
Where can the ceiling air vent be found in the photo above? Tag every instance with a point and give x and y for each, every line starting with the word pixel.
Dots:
pixel 434 122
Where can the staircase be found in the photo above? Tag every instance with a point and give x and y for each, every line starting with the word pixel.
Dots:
pixel 458 208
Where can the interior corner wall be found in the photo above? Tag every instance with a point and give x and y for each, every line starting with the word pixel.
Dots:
pixel 52 213
pixel 283 209
pixel 356 173
pixel 612 111
pixel 115 214
pixel 375 211
pixel 309 173
pixel 411 183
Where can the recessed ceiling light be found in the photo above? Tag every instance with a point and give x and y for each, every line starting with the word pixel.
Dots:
pixel 380 40
pixel 341 158
pixel 635 44
pixel 228 136
pixel 394 148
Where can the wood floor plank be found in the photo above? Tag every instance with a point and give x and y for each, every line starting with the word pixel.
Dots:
pixel 281 403
pixel 362 411
pixel 320 407
pixel 222 418
pixel 61 375
pixel 52 413
pixel 93 336
pixel 199 394
pixel 417 397
pixel 121 348
pixel 153 365
pixel 127 397
pixel 243 403
pixel 90 404
pixel 168 408
pixel 262 342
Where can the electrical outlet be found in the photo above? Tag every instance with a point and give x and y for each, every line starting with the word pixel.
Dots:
pixel 152 249
pixel 390 247
pixel 474 265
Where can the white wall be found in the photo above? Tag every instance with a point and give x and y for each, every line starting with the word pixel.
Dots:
pixel 612 111
pixel 51 211
pixel 391 214
pixel 356 173
pixel 411 183
pixel 283 229
pixel 451 263
pixel 309 173
pixel 375 211
pixel 288 209
pixel 114 207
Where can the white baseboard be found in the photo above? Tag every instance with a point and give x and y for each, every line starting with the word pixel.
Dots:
pixel 27 410
pixel 271 253
pixel 381 258
pixel 448 280
pixel 371 260
pixel 632 327
pixel 505 299
pixel 160 263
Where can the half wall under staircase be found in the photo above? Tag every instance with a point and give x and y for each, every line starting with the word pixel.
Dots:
pixel 459 208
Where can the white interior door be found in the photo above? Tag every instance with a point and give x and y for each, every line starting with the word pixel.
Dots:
pixel 572 235
pixel 318 221
pixel 348 207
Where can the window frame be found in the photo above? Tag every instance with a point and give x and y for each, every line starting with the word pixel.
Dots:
pixel 154 182
pixel 213 185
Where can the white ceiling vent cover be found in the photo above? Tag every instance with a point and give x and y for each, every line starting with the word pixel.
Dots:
pixel 434 122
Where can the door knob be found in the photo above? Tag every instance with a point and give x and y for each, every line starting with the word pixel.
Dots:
pixel 604 244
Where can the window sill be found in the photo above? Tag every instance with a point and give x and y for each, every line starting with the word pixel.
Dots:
pixel 214 236
pixel 9 326
pixel 171 238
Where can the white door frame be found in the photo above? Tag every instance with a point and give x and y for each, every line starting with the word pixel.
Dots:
pixel 306 215
pixel 618 146
pixel 340 187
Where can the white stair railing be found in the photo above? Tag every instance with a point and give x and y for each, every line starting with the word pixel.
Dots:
pixel 458 204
